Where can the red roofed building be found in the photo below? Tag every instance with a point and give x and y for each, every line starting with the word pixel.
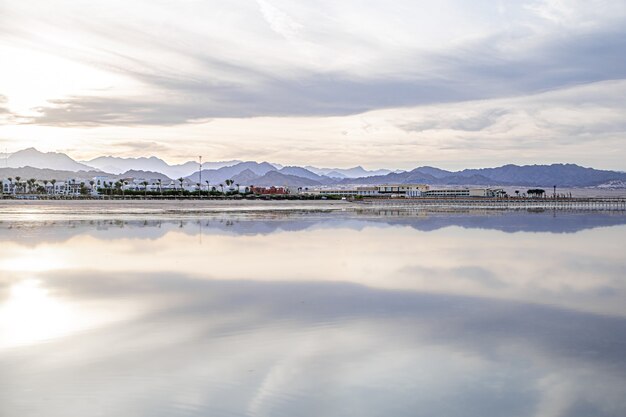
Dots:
pixel 269 190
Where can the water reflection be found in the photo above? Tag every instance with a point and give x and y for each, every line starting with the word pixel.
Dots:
pixel 249 223
pixel 324 315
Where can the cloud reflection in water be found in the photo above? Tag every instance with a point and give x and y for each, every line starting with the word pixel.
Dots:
pixel 347 315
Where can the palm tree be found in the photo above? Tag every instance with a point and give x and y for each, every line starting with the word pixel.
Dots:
pixel 181 180
pixel 53 182
pixel 17 182
pixel 160 181
pixel 145 188
pixel 208 189
pixel 222 188
pixel 45 185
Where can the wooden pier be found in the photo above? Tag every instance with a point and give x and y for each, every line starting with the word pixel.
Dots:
pixel 596 204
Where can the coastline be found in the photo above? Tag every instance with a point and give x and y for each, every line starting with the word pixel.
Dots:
pixel 79 208
pixel 155 207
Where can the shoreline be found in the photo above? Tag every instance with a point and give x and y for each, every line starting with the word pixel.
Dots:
pixel 89 207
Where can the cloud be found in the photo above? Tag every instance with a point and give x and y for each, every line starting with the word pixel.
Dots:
pixel 143 146
pixel 4 110
pixel 572 116
pixel 279 21
pixel 96 111
pixel 329 71
pixel 273 74
pixel 342 338
pixel 473 122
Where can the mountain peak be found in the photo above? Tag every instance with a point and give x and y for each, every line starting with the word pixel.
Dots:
pixel 34 158
pixel 29 151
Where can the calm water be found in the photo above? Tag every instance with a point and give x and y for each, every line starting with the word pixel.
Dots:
pixel 320 314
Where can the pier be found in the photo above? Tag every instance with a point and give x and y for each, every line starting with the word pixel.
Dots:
pixel 609 204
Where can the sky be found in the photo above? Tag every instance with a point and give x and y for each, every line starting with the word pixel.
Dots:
pixel 454 84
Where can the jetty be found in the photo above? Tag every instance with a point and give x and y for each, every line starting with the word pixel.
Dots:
pixel 609 204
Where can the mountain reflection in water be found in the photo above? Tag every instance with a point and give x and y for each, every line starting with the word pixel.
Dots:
pixel 320 314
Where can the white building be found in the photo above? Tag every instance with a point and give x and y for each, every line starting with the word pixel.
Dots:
pixel 8 187
pixel 340 192
pixel 402 190
pixel 465 192
pixel 367 191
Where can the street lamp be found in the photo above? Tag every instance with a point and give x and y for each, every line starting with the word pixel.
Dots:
pixel 200 172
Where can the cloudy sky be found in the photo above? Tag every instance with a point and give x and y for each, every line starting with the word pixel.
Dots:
pixel 383 84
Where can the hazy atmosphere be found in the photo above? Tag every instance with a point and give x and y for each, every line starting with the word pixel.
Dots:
pixel 454 84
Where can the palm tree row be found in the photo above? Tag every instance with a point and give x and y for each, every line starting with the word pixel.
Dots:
pixel 119 187
pixel 30 186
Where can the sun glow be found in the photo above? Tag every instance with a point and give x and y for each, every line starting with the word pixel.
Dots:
pixel 31 315
pixel 26 86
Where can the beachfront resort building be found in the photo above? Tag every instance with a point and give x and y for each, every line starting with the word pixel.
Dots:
pixel 402 190
pixel 408 191
pixel 465 192
pixel 8 187
pixel 386 190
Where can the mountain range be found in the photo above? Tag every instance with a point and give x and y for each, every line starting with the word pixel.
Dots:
pixel 117 165
pixel 30 163
pixel 51 160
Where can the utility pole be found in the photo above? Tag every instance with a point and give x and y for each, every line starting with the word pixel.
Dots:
pixel 200 180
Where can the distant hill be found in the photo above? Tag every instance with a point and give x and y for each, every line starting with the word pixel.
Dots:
pixel 435 172
pixel 561 175
pixel 276 178
pixel 147 175
pixel 300 172
pixel 60 165
pixel 217 176
pixel 49 174
pixel 356 172
pixel 245 177
pixel 31 157
pixel 263 174
pixel 153 164
pixel 412 177
pixel 335 174
pixel 305 173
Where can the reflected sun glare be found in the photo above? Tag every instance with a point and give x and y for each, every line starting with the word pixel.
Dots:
pixel 31 315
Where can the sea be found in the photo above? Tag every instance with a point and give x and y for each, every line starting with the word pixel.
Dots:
pixel 312 312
